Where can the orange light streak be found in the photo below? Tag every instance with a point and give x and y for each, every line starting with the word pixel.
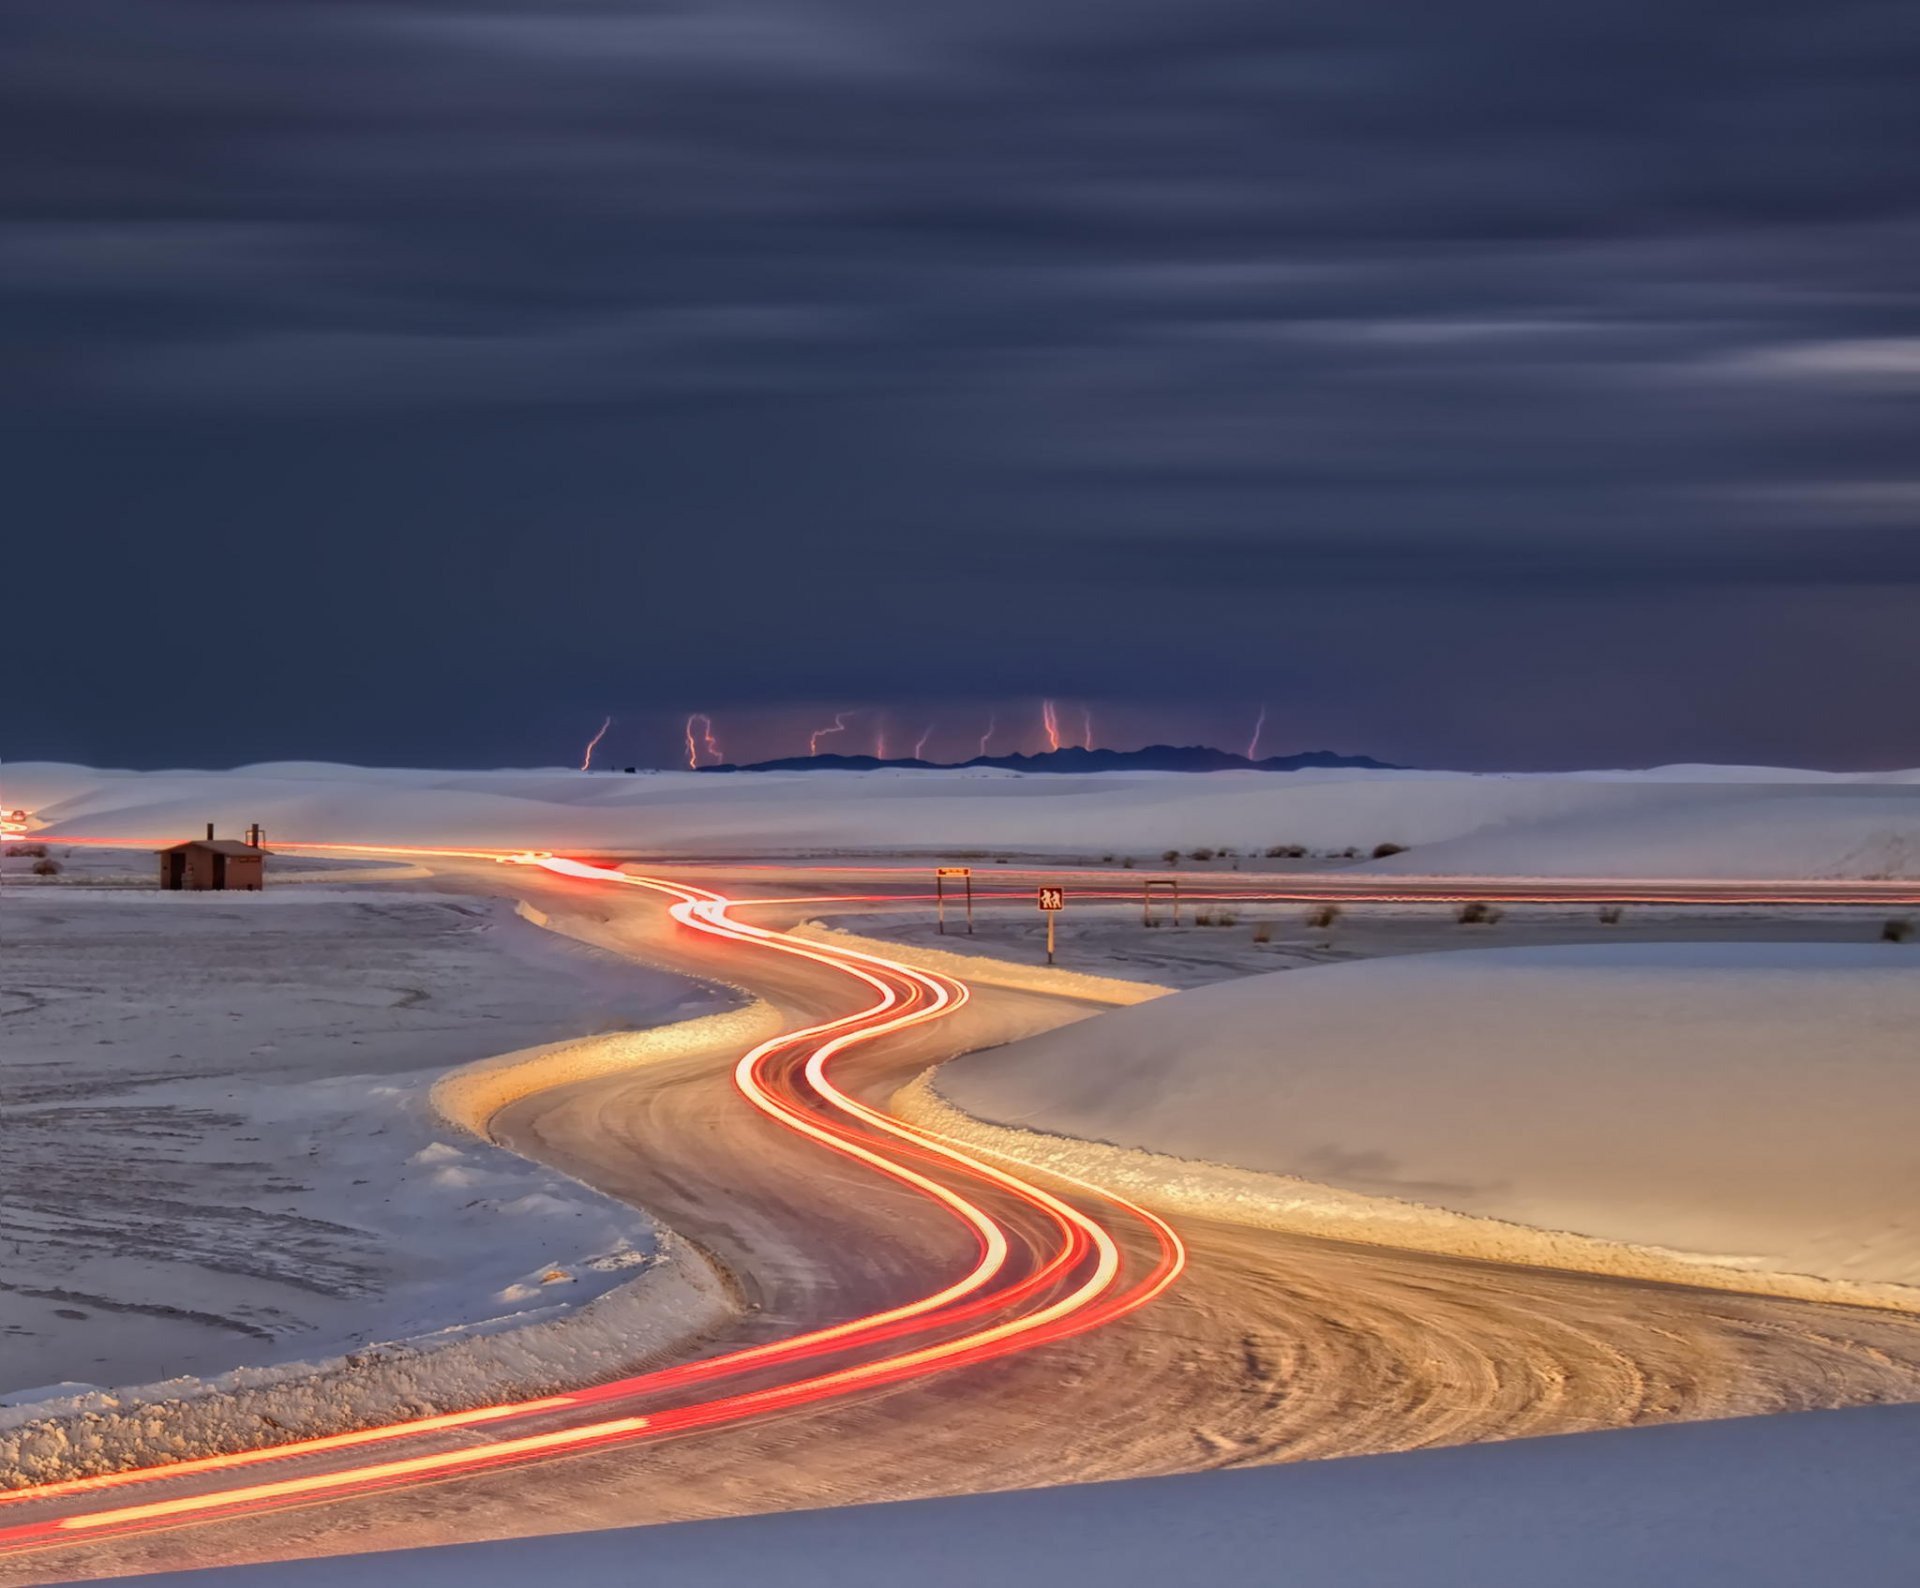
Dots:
pixel 839 726
pixel 1050 721
pixel 902 996
pixel 586 761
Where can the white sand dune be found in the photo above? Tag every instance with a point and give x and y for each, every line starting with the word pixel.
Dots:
pixel 1691 821
pixel 1762 1502
pixel 1753 1105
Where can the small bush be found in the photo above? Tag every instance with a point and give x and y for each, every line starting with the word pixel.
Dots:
pixel 1898 930
pixel 1263 933
pixel 44 867
pixel 1106 860
pixel 1200 854
pixel 1477 912
pixel 1381 851
pixel 37 850
pixel 1287 852
pixel 1170 857
pixel 1228 918
pixel 1203 918
pixel 1323 915
pixel 1610 914
pixel 1350 854
pixel 1126 863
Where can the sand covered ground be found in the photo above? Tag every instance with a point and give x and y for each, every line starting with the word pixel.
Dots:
pixel 1683 821
pixel 216 1148
pixel 1752 1106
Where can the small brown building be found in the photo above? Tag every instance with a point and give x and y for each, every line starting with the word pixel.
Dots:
pixel 213 863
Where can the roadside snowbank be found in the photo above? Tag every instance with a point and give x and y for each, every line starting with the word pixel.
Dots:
pixel 1763 1502
pixel 1688 1111
pixel 1694 821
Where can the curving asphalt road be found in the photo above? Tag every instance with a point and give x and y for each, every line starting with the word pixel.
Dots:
pixel 1270 1347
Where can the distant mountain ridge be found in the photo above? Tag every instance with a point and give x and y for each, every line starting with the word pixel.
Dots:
pixel 1071 758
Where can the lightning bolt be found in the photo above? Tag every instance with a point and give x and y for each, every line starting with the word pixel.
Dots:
pixel 839 726
pixel 993 721
pixel 1253 744
pixel 706 741
pixel 1050 720
pixel 920 744
pixel 586 761
pixel 1086 727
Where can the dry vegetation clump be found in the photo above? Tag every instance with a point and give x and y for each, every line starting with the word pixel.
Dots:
pixel 1323 915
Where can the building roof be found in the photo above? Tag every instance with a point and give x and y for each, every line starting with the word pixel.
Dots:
pixel 218 846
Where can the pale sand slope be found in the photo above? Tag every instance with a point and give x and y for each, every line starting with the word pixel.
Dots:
pixel 1756 1104
pixel 1767 1502
pixel 1694 821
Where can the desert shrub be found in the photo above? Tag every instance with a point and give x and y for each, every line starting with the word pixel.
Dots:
pixel 1170 857
pixel 1323 915
pixel 38 850
pixel 1381 851
pixel 1477 912
pixel 1202 853
pixel 1350 853
pixel 1203 918
pixel 1126 863
pixel 1898 930
pixel 1228 918
pixel 1287 852
pixel 44 867
pixel 1106 860
pixel 1263 933
pixel 1610 914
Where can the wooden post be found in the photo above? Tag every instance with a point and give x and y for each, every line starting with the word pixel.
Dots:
pixel 1050 915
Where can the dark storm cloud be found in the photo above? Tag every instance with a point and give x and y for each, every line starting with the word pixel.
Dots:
pixel 800 315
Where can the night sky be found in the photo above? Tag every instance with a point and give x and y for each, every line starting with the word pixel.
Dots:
pixel 1483 384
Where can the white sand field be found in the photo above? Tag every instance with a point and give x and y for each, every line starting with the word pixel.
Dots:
pixel 1754 1106
pixel 1687 821
pixel 217 1149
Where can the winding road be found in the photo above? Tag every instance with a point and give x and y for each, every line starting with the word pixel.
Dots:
pixel 919 1321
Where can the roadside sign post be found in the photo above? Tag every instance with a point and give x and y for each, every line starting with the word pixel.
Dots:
pixel 1052 902
pixel 1146 898
pixel 940 874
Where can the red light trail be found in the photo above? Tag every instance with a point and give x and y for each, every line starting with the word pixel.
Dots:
pixel 586 761
pixel 1077 1278
pixel 1050 721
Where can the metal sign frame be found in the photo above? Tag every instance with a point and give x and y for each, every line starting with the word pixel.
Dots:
pixel 940 875
pixel 1146 898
